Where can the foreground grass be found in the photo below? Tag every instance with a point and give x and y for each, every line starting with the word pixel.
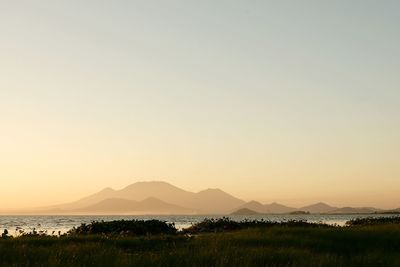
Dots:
pixel 370 245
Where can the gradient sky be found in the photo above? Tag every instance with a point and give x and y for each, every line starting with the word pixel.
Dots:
pixel 289 101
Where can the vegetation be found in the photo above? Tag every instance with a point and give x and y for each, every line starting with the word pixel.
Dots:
pixel 210 243
pixel 225 225
pixel 374 221
pixel 125 227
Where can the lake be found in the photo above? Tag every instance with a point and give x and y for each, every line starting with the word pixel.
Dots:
pixel 64 223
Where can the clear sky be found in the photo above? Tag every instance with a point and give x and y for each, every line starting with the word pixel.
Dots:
pixel 289 101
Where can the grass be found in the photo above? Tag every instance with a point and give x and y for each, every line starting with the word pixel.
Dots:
pixel 256 245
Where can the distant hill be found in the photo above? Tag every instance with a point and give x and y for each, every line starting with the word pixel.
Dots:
pixel 351 210
pixel 394 211
pixel 299 212
pixel 245 211
pixel 278 208
pixel 161 190
pixel 209 201
pixel 273 208
pixel 213 201
pixel 252 205
pixel 158 197
pixel 86 201
pixel 318 208
pixel 124 206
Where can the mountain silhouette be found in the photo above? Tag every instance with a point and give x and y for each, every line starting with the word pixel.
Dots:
pixel 351 210
pixel 161 190
pixel 273 208
pixel 245 211
pixel 210 201
pixel 124 206
pixel 156 197
pixel 253 206
pixel 90 200
pixel 214 201
pixel 393 211
pixel 278 208
pixel 319 207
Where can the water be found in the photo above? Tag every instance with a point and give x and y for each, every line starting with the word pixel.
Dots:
pixel 64 223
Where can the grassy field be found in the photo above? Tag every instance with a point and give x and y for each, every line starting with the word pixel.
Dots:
pixel 280 245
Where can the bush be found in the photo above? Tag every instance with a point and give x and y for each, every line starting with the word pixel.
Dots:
pixel 125 228
pixel 225 224
pixel 374 221
pixel 4 235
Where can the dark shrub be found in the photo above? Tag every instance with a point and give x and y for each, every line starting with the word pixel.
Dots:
pixel 125 227
pixel 374 221
pixel 5 234
pixel 226 224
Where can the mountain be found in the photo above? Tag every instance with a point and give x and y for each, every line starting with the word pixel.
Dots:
pixel 351 210
pixel 299 212
pixel 273 208
pixel 157 197
pixel 89 200
pixel 124 206
pixel 393 211
pixel 278 208
pixel 245 211
pixel 214 201
pixel 161 190
pixel 211 201
pixel 254 206
pixel 318 208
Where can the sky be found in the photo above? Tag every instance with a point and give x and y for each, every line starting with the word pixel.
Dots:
pixel 288 101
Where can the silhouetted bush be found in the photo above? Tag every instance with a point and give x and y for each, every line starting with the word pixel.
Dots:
pixel 125 228
pixel 4 235
pixel 225 224
pixel 374 221
pixel 310 246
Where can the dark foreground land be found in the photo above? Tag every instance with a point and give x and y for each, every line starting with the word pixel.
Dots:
pixel 374 242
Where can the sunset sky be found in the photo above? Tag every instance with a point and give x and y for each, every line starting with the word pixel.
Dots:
pixel 287 101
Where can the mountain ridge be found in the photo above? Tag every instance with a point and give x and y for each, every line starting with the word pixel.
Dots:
pixel 211 200
pixel 271 208
pixel 151 205
pixel 151 197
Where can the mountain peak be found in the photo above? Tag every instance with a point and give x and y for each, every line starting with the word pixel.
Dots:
pixel 253 202
pixel 149 183
pixel 107 190
pixel 253 206
pixel 275 204
pixel 245 211
pixel 159 194
pixel 319 207
pixel 212 190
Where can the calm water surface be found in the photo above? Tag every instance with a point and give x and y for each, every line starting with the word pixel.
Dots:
pixel 65 223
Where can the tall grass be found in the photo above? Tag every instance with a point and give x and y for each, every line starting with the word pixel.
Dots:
pixel 275 245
